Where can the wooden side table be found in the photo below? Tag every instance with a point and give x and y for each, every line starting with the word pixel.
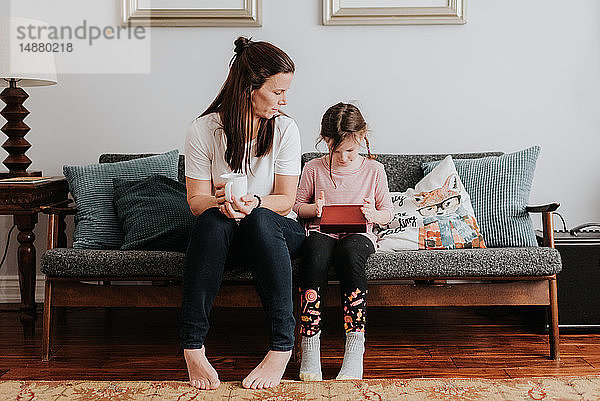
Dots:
pixel 24 202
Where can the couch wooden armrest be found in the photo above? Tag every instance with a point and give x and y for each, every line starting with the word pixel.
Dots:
pixel 64 208
pixel 56 222
pixel 550 207
pixel 547 224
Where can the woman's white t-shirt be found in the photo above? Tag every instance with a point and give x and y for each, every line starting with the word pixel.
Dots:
pixel 205 146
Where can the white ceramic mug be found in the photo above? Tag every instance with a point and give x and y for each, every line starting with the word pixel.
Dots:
pixel 236 186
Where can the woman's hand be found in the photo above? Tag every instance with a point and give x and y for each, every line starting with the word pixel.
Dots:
pixel 368 210
pixel 248 203
pixel 224 206
pixel 220 194
pixel 236 209
pixel 227 209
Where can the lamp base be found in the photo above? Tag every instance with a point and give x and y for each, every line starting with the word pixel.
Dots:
pixel 15 129
pixel 28 173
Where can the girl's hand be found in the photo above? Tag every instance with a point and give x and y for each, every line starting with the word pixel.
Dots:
pixel 320 202
pixel 368 210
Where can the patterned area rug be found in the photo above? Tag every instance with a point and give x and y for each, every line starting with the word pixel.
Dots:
pixel 546 388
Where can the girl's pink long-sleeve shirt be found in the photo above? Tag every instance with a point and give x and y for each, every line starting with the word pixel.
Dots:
pixel 351 187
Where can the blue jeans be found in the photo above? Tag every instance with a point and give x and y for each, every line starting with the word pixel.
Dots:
pixel 265 241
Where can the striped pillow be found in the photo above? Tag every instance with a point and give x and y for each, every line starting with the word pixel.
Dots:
pixel 499 187
pixel 96 223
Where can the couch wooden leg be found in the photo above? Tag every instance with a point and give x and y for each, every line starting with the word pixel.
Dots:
pixel 554 336
pixel 48 311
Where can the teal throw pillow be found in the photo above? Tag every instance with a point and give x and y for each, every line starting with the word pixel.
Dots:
pixel 96 224
pixel 153 213
pixel 499 187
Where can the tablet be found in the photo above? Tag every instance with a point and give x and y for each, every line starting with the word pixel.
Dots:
pixel 343 219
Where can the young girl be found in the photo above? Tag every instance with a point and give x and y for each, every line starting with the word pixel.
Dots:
pixel 340 177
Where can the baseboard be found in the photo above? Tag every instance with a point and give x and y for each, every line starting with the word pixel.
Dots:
pixel 9 289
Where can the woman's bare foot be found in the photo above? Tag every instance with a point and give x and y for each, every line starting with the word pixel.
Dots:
pixel 202 374
pixel 268 373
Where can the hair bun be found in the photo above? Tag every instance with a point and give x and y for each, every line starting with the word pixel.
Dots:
pixel 242 43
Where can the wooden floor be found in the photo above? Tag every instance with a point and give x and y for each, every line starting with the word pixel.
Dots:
pixel 142 344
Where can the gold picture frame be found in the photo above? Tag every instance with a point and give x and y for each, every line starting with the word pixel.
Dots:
pixel 368 12
pixel 134 13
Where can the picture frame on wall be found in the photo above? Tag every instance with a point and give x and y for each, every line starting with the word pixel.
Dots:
pixel 393 12
pixel 190 13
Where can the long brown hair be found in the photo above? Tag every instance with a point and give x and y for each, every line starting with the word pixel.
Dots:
pixel 252 64
pixel 340 122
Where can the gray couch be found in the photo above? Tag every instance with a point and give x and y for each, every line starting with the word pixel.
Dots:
pixel 492 276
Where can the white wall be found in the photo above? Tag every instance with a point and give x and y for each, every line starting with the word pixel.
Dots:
pixel 518 73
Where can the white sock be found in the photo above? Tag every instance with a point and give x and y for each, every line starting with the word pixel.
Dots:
pixel 352 366
pixel 310 365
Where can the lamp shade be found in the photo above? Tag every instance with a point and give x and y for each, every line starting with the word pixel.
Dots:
pixel 31 68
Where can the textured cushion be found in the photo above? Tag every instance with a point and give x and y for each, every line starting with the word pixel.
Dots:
pixel 153 213
pixel 499 188
pixel 96 224
pixel 494 262
pixel 404 171
pixel 498 262
pixel 436 214
pixel 121 157
pixel 91 263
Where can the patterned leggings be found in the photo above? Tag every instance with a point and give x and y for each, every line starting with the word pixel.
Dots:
pixel 349 256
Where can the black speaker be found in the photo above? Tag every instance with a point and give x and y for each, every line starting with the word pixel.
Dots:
pixel 579 280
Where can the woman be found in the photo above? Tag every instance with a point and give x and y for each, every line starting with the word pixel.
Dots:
pixel 243 131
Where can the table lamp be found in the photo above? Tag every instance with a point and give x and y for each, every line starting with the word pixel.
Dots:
pixel 21 68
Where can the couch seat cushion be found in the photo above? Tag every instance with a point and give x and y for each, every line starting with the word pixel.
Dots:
pixel 69 262
pixel 92 263
pixel 491 262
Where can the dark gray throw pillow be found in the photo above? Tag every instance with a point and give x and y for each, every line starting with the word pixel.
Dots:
pixel 153 213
